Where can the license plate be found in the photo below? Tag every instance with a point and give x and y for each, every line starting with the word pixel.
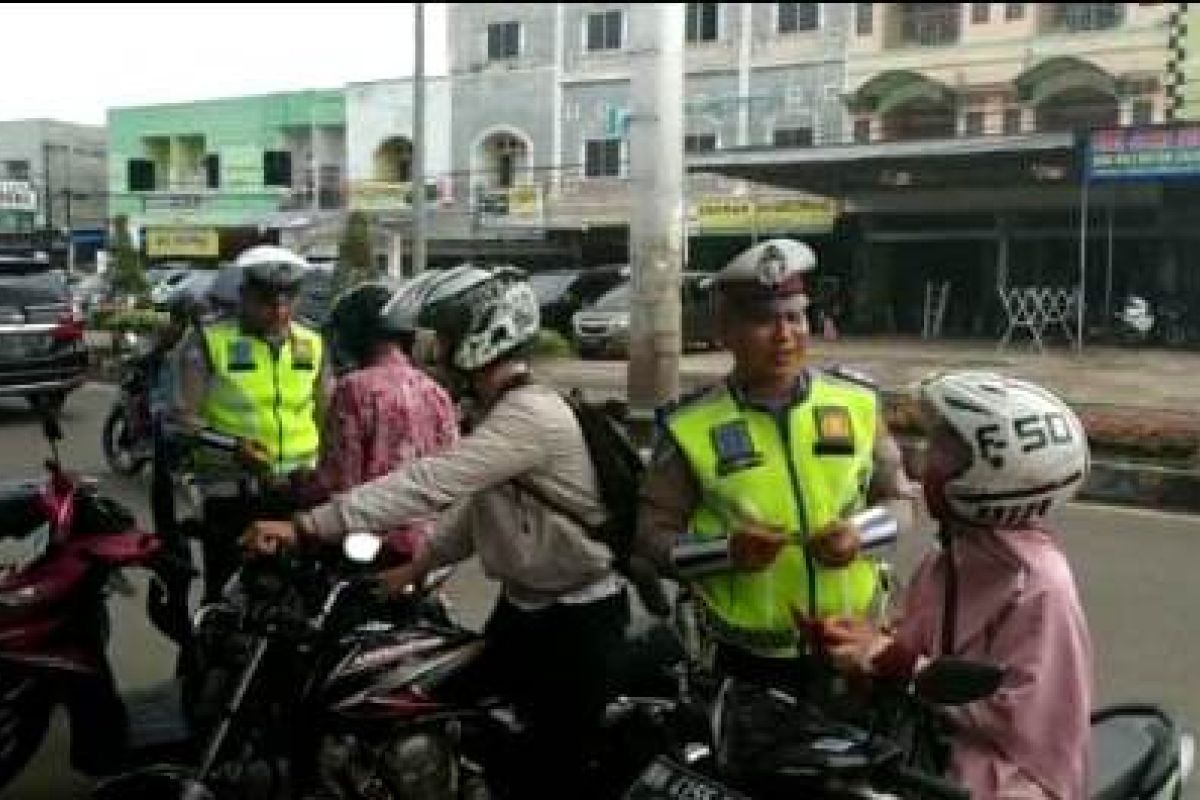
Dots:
pixel 666 780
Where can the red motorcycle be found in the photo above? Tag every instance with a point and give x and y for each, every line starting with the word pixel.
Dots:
pixel 71 543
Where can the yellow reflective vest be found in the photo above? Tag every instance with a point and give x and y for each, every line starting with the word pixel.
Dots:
pixel 799 470
pixel 265 394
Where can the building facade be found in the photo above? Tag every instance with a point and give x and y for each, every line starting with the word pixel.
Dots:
pixel 60 167
pixel 204 180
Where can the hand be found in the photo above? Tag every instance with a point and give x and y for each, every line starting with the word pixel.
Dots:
pixel 835 545
pixel 755 546
pixel 253 454
pixel 268 537
pixel 851 644
pixel 398 580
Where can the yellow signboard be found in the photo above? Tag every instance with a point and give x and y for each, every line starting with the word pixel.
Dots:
pixel 194 242
pixel 764 215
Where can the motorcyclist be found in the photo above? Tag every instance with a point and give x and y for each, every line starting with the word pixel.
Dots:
pixel 384 411
pixel 1002 455
pixel 258 384
pixel 560 618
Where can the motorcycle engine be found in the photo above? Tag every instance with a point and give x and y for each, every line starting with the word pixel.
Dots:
pixel 414 765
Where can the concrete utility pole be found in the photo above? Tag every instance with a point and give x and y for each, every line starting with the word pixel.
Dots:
pixel 418 145
pixel 656 228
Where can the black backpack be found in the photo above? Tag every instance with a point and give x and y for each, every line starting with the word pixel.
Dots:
pixel 618 469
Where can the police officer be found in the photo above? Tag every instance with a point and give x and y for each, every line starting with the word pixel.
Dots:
pixel 256 385
pixel 768 465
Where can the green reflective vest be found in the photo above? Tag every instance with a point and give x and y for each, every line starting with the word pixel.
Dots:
pixel 799 470
pixel 265 394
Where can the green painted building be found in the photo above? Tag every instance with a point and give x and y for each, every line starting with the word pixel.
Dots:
pixel 206 179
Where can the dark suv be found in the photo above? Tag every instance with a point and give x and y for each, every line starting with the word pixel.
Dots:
pixel 42 352
pixel 561 293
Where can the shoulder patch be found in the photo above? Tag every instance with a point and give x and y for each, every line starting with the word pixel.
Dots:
pixel 663 412
pixel 851 375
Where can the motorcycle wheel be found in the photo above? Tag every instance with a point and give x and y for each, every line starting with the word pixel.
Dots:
pixel 24 717
pixel 117 452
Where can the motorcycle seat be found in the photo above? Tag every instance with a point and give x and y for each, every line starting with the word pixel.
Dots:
pixel 1123 748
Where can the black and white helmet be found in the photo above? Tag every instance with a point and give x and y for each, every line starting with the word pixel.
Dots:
pixel 1028 450
pixel 484 314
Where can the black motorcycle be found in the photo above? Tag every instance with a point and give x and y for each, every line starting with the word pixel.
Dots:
pixel 128 435
pixel 315 688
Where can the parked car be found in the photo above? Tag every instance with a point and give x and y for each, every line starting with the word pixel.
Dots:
pixel 561 293
pixel 42 352
pixel 603 329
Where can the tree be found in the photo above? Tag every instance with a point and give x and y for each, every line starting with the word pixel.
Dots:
pixel 355 262
pixel 129 276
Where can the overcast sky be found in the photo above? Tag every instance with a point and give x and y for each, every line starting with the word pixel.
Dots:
pixel 72 61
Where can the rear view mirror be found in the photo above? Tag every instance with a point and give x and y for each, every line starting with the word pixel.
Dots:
pixel 956 681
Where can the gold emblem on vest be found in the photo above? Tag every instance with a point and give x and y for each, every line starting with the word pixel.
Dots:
pixel 302 353
pixel 835 431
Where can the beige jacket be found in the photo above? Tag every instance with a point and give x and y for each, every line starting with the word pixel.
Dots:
pixel 538 554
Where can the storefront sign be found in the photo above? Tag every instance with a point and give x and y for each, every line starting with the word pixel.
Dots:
pixel 193 242
pixel 1144 153
pixel 763 215
pixel 17 196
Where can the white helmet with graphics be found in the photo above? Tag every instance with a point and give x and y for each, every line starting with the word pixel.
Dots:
pixel 1020 450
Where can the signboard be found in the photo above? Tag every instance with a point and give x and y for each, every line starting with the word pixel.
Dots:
pixel 1159 152
pixel 763 215
pixel 387 196
pixel 516 205
pixel 18 196
pixel 193 242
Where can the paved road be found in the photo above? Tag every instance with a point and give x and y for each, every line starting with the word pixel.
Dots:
pixel 1136 570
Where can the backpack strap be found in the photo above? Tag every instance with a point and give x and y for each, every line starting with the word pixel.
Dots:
pixel 570 513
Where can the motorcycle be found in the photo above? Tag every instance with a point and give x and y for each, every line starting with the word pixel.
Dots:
pixel 318 689
pixel 896 750
pixel 72 543
pixel 128 434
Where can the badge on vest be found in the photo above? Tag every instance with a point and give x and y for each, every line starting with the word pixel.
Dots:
pixel 734 447
pixel 835 431
pixel 241 356
pixel 302 353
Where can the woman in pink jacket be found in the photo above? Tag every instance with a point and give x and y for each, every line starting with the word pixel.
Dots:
pixel 1002 454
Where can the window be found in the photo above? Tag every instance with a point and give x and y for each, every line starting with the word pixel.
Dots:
pixel 973 123
pixel 140 175
pixel 1076 17
pixel 1014 11
pixel 1142 112
pixel 212 171
pixel 604 30
pixel 864 18
pixel 862 131
pixel 16 170
pixel 504 40
pixel 793 137
pixel 794 17
pixel 277 168
pixel 602 158
pixel 1012 120
pixel 702 22
pixel 981 12
pixel 929 24
pixel 699 143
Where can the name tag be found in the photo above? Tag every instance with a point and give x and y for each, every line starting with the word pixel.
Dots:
pixel 734 447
